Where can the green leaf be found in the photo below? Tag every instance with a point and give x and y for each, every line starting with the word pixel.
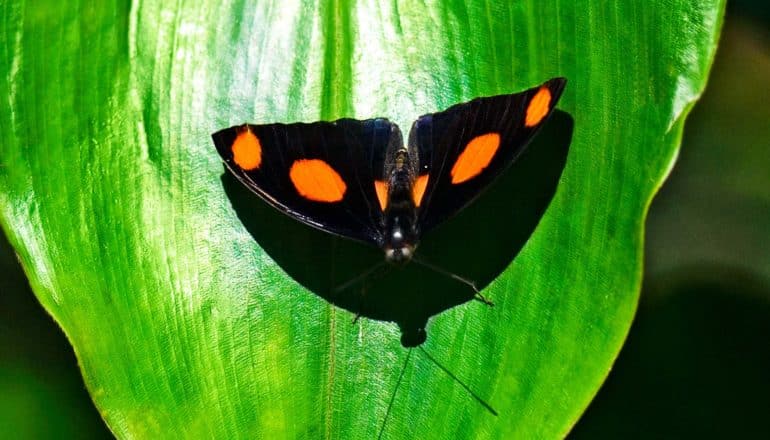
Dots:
pixel 694 363
pixel 111 193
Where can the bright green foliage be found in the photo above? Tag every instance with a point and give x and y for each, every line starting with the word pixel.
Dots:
pixel 110 192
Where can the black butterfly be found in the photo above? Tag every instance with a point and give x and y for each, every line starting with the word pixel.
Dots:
pixel 357 179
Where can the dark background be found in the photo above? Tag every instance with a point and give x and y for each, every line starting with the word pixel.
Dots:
pixel 697 360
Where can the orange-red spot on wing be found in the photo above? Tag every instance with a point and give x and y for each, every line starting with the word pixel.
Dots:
pixel 381 188
pixel 315 180
pixel 538 107
pixel 247 151
pixel 475 157
pixel 418 190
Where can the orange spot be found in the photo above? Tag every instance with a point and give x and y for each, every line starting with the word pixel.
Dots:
pixel 476 156
pixel 247 151
pixel 418 190
pixel 316 180
pixel 538 107
pixel 381 188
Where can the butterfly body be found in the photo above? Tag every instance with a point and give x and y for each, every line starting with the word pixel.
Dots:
pixel 359 180
pixel 400 231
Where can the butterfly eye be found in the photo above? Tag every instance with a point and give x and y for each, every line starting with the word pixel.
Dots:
pixel 315 180
pixel 247 150
pixel 475 157
pixel 538 107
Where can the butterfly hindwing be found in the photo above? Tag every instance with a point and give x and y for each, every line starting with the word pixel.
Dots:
pixel 464 148
pixel 321 173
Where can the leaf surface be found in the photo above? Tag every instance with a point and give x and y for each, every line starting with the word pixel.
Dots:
pixel 111 193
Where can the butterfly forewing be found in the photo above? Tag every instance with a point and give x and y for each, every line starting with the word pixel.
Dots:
pixel 464 148
pixel 322 173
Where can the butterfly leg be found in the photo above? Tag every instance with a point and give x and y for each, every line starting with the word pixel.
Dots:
pixel 478 296
pixel 360 301
pixel 362 278
pixel 483 299
pixel 357 278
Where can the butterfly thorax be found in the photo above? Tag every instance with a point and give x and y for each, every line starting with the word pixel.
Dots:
pixel 400 216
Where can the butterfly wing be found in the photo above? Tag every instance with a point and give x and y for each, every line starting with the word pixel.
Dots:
pixel 321 174
pixel 464 148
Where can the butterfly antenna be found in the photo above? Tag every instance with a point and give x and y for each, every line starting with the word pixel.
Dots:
pixel 393 397
pixel 461 383
pixel 357 278
pixel 478 296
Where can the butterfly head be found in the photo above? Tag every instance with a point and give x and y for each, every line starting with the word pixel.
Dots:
pixel 399 255
pixel 399 248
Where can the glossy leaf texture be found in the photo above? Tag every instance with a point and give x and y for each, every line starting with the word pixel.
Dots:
pixel 111 194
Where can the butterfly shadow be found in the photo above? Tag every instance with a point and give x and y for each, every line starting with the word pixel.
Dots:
pixel 477 244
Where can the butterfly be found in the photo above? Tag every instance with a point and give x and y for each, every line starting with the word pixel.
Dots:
pixel 359 180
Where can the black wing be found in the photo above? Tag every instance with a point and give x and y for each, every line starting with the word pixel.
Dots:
pixel 321 174
pixel 464 148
